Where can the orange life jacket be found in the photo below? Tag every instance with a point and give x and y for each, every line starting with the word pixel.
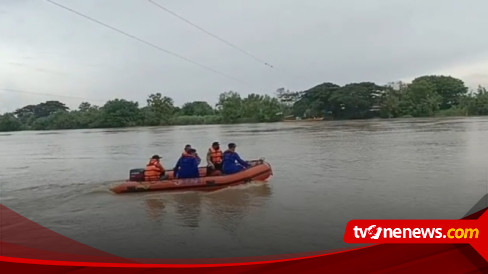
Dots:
pixel 215 155
pixel 153 171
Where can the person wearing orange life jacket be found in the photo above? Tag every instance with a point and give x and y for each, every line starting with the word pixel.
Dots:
pixel 154 171
pixel 214 159
pixel 186 152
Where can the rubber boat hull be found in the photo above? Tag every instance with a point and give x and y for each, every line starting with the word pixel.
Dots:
pixel 259 171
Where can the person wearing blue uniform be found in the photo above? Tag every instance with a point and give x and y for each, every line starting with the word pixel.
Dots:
pixel 231 162
pixel 187 165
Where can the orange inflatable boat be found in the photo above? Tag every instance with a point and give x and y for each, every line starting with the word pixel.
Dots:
pixel 259 171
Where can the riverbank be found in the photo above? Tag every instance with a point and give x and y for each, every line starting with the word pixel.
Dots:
pixel 426 96
pixel 210 120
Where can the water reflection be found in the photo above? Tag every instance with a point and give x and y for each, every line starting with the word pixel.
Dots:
pixel 155 208
pixel 159 130
pixel 188 209
pixel 49 133
pixel 227 207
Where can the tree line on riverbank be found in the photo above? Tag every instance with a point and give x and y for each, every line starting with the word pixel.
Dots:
pixel 160 110
pixel 425 96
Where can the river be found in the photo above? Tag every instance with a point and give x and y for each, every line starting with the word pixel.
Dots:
pixel 325 174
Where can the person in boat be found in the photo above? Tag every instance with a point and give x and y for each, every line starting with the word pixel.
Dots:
pixel 214 159
pixel 232 163
pixel 187 165
pixel 154 171
pixel 186 151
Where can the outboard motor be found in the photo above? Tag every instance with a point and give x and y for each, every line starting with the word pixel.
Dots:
pixel 136 175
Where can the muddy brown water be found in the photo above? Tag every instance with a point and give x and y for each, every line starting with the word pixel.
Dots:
pixel 325 174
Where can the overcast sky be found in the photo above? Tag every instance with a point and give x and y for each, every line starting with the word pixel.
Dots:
pixel 46 49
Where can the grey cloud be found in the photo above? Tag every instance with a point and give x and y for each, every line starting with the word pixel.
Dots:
pixel 35 68
pixel 476 79
pixel 308 42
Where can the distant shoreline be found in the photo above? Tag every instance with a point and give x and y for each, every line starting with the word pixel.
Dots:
pixel 426 96
pixel 251 123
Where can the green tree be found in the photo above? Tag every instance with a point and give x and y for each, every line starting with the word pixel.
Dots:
pixel 8 122
pixel 41 123
pixel 422 99
pixel 30 113
pixel 88 116
pixel 251 107
pixel 229 106
pixel 26 114
pixel 63 120
pixel 450 89
pixel 86 107
pixel 49 107
pixel 150 117
pixel 392 100
pixel 482 101
pixel 199 108
pixel 354 101
pixel 120 113
pixel 315 102
pixel 163 106
pixel 259 108
pixel 287 97
pixel 271 110
pixel 468 104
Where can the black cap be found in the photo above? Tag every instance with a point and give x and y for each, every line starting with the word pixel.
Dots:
pixel 231 145
pixel 215 144
pixel 191 150
pixel 187 146
pixel 156 157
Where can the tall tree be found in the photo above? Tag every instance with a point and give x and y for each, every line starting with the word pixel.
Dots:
pixel 85 106
pixel 88 115
pixel 30 113
pixel 422 99
pixel 271 109
pixel 150 117
pixel 120 113
pixel 315 102
pixel 198 108
pixel 229 106
pixel 287 97
pixel 49 107
pixel 25 114
pixel 357 100
pixel 63 120
pixel 163 106
pixel 481 101
pixel 450 89
pixel 392 100
pixel 8 122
